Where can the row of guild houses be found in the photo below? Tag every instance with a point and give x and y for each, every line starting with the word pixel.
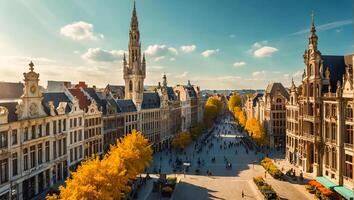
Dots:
pixel 46 132
pixel 313 120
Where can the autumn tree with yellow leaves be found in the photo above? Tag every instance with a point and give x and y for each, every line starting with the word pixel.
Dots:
pixel 181 141
pixel 212 109
pixel 256 131
pixel 234 101
pixel 109 178
pixel 240 116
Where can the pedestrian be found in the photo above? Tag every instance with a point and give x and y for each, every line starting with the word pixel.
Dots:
pixel 242 194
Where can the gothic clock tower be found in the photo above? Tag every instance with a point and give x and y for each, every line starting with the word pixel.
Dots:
pixel 134 68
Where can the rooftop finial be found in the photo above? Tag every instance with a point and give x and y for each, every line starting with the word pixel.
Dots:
pixel 313 29
pixel 31 66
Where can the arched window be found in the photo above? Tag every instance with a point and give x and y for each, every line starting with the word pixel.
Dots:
pixel 278 100
pixel 139 86
pixel 130 86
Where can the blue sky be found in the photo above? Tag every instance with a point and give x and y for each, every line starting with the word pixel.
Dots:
pixel 217 44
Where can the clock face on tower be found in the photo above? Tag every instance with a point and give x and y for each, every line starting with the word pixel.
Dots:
pixel 33 89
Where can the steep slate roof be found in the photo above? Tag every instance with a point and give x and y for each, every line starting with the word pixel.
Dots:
pixel 11 90
pixel 273 87
pixel 101 103
pixel 191 92
pixel 11 107
pixel 171 94
pixel 256 98
pixel 113 103
pixel 126 105
pixel 56 97
pixel 150 100
pixel 336 66
pixel 84 102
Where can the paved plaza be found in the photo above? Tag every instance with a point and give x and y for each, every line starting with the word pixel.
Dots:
pixel 221 183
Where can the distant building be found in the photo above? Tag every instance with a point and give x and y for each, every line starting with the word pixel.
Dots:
pixel 272 109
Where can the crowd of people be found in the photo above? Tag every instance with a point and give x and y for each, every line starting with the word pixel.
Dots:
pixel 202 154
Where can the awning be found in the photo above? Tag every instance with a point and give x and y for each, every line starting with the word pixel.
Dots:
pixel 345 192
pixel 325 182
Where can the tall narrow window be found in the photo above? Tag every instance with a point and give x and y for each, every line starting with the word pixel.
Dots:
pixel 25 159
pixel 130 86
pixel 14 137
pixel 14 164
pixel 4 171
pixel 3 139
pixel 47 152
pixel 40 153
pixel 33 156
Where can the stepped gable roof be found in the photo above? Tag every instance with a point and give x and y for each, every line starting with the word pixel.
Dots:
pixel 84 102
pixel 336 66
pixel 56 97
pixel 274 87
pixel 126 105
pixel 11 90
pixel 256 98
pixel 171 94
pixel 101 103
pixel 150 100
pixel 11 107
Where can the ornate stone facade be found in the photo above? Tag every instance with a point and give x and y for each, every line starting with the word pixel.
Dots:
pixel 319 116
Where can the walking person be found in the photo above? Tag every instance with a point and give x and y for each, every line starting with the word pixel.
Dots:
pixel 242 194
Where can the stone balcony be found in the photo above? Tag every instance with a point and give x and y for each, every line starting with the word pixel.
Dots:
pixel 348 146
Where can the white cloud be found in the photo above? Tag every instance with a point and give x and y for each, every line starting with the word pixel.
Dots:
pixel 76 52
pixel 265 51
pixel 98 55
pixel 172 59
pixel 160 50
pixel 183 75
pixel 232 36
pixel 260 50
pixel 188 48
pixel 159 58
pixel 327 26
pixel 239 64
pixel 210 52
pixel 80 31
pixel 256 73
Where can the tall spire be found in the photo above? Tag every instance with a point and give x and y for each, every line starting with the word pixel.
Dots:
pixel 313 37
pixel 134 20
